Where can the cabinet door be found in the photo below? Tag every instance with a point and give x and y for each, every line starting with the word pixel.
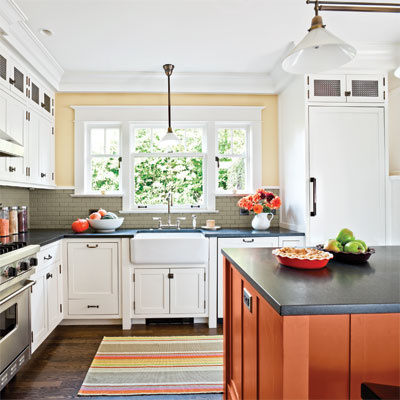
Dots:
pixel 4 83
pixel 32 150
pixel 151 291
pixel 326 88
pixel 347 159
pixel 39 315
pixel 54 311
pixel 234 243
pixel 93 271
pixel 291 241
pixel 187 291
pixel 16 117
pixel 17 79
pixel 366 88
pixel 45 151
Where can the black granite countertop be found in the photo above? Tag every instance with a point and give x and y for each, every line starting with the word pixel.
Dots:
pixel 47 236
pixel 373 287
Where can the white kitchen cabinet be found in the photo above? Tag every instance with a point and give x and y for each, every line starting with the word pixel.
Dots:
pixel 46 295
pixel 230 243
pixel 151 291
pixel 46 151
pixel 291 241
pixel 93 287
pixel 17 78
pixel 347 168
pixel 4 83
pixel 187 290
pixel 32 152
pixel 346 88
pixel 170 291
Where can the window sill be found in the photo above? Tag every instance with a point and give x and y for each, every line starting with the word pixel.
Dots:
pixel 154 211
pixel 97 195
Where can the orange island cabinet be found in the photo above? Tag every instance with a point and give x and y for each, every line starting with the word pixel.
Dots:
pixel 297 334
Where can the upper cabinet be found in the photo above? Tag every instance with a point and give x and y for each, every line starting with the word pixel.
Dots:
pixel 27 119
pixel 346 88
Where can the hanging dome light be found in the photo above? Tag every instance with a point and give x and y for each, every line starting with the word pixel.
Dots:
pixel 169 139
pixel 319 51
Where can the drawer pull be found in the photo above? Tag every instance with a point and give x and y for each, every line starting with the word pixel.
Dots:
pixel 92 306
pixel 49 257
pixel 248 240
pixel 92 246
pixel 247 299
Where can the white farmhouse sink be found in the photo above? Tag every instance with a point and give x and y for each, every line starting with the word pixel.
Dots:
pixel 169 248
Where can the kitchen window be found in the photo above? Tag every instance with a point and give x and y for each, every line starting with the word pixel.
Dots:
pixel 232 159
pixel 118 152
pixel 180 169
pixel 103 159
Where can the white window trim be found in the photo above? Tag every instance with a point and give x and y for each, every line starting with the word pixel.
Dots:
pixel 211 117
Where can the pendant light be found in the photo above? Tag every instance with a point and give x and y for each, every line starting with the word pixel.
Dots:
pixel 319 51
pixel 169 139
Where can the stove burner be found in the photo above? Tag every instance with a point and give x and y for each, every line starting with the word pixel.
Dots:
pixel 6 248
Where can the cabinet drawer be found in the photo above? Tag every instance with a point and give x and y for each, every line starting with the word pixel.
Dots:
pixel 248 242
pixel 291 241
pixel 93 307
pixel 49 255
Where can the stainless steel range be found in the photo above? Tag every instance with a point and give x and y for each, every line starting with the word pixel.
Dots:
pixel 17 262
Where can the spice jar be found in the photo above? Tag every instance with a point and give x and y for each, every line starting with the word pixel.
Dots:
pixel 13 225
pixel 4 222
pixel 22 219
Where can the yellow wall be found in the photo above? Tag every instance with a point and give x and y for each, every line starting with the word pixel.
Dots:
pixel 65 126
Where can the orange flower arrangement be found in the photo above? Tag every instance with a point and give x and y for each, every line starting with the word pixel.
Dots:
pixel 261 201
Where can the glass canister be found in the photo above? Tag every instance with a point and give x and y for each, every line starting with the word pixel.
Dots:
pixel 22 219
pixel 13 217
pixel 4 222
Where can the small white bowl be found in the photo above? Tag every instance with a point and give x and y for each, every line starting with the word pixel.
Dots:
pixel 105 225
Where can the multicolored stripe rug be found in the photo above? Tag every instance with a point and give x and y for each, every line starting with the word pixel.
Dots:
pixel 126 366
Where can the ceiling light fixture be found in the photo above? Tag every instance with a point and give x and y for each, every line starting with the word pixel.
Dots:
pixel 320 50
pixel 169 138
pixel 397 72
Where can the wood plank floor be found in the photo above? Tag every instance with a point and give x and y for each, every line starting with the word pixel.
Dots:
pixel 58 367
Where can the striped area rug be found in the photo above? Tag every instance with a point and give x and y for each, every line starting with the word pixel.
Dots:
pixel 126 366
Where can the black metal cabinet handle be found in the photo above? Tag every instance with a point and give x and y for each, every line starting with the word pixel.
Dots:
pixel 248 240
pixel 92 247
pixel 12 169
pixel 313 213
pixel 92 306
pixel 42 174
pixel 49 275
pixel 12 81
pixel 49 257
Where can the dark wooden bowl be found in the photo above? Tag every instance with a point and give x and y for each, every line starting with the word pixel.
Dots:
pixel 349 258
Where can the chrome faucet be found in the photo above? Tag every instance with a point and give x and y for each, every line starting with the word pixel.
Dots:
pixel 169 224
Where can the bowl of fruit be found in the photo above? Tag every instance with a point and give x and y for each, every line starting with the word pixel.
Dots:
pixel 104 222
pixel 346 248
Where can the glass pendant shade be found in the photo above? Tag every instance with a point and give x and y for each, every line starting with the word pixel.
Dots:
pixel 319 51
pixel 169 139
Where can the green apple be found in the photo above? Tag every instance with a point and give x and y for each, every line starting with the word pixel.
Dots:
pixel 333 245
pixel 354 247
pixel 345 236
pixel 363 243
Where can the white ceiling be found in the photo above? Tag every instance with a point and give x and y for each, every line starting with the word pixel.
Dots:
pixel 207 36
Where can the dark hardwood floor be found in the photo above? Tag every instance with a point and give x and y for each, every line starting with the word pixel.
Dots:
pixel 58 367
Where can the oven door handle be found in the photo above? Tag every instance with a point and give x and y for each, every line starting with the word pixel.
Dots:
pixel 17 292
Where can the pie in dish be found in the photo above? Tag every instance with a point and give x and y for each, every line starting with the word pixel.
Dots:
pixel 302 253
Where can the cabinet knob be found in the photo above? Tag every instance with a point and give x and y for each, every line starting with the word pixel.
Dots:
pixel 12 81
pixel 12 169
pixel 43 175
pixel 49 275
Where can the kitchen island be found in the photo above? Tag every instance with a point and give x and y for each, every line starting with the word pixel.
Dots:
pixel 295 334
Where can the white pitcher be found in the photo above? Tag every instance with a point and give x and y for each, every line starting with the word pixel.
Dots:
pixel 262 221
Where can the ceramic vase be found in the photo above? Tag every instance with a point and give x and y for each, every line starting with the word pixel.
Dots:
pixel 262 221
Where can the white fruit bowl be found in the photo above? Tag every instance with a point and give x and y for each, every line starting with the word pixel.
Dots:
pixel 105 225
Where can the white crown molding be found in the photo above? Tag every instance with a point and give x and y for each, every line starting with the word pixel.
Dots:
pixel 18 35
pixel 147 82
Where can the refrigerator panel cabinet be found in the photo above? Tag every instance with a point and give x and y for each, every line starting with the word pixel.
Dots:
pixel 366 88
pixel 326 88
pixel 346 152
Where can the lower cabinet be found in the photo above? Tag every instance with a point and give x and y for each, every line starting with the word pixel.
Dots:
pixel 46 302
pixel 162 291
pixel 93 283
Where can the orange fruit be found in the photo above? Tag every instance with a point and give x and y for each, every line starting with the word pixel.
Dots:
pixel 102 212
pixel 95 215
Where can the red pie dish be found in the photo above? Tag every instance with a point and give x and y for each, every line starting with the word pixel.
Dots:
pixel 302 258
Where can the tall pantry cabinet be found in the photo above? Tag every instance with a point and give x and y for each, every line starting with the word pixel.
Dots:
pixel 333 156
